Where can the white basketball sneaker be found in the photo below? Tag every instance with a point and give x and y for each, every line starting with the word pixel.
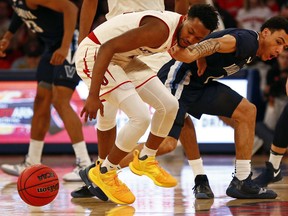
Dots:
pixel 15 169
pixel 74 175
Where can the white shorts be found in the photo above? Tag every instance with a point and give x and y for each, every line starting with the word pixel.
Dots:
pixel 121 73
pixel 156 61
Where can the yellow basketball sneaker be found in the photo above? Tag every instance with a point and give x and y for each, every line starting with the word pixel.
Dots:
pixel 150 167
pixel 111 185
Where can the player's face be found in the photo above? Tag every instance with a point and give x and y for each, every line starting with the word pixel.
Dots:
pixel 192 31
pixel 273 44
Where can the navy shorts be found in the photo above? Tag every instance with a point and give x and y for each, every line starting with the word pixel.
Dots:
pixel 61 75
pixel 213 98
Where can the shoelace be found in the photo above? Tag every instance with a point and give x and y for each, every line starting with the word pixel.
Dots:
pixel 112 180
pixel 155 163
pixel 252 184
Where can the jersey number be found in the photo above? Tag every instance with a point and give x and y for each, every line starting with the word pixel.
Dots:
pixel 33 26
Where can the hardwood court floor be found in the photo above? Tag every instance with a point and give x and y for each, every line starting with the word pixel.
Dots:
pixel 150 199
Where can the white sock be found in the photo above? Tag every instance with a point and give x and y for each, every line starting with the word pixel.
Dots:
pixel 106 163
pixel 147 151
pixel 81 153
pixel 35 151
pixel 242 169
pixel 100 159
pixel 197 167
pixel 275 160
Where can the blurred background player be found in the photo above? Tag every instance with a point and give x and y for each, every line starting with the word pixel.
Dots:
pixel 272 172
pixel 54 22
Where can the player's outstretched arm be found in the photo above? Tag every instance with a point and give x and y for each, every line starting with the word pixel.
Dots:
pixel 225 44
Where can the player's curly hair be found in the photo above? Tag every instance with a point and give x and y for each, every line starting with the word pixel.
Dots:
pixel 206 13
pixel 276 23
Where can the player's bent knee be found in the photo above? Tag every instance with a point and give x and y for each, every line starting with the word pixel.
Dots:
pixel 168 145
pixel 245 112
pixel 141 122
pixel 106 123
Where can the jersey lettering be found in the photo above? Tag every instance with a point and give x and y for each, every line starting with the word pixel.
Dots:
pixel 70 71
pixel 231 69
pixel 28 18
pixel 33 26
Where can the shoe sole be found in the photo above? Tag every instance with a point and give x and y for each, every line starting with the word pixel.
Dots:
pixel 93 189
pixel 9 172
pixel 140 173
pixel 203 196
pixel 73 180
pixel 239 195
pixel 102 187
pixel 77 195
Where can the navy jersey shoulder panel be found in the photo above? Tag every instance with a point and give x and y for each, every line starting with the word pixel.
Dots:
pixel 48 24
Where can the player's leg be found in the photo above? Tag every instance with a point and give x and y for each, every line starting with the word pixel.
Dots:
pixel 106 130
pixel 243 114
pixel 104 175
pixel 41 118
pixel 272 172
pixel 201 189
pixel 156 95
pixel 65 80
pixel 61 102
pixel 106 135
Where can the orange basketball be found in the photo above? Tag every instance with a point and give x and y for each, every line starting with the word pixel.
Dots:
pixel 38 185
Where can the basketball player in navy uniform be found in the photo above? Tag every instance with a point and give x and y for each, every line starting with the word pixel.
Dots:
pixel 221 54
pixel 54 22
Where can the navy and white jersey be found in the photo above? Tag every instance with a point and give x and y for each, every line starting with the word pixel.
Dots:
pixel 47 23
pixel 177 74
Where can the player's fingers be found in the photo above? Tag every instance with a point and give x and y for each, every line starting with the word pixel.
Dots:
pixel 101 111
pixel 200 72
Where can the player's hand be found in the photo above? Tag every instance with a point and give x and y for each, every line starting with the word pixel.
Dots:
pixel 91 107
pixel 180 54
pixel 59 56
pixel 4 43
pixel 201 65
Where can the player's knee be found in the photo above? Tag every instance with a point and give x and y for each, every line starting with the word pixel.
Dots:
pixel 59 106
pixel 246 112
pixel 250 112
pixel 106 123
pixel 168 145
pixel 141 121
pixel 170 107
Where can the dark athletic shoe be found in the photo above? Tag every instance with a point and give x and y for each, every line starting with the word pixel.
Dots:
pixel 248 189
pixel 269 175
pixel 202 188
pixel 82 192
pixel 92 187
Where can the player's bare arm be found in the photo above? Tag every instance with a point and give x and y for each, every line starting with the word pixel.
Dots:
pixel 69 11
pixel 4 43
pixel 181 6
pixel 87 14
pixel 225 44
